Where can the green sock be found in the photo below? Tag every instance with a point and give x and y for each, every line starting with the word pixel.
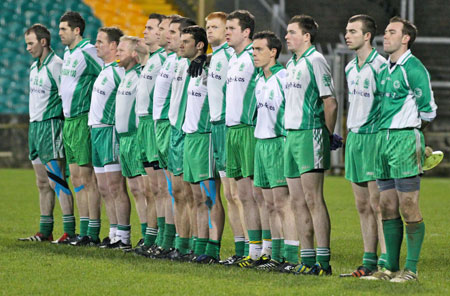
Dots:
pixel 382 260
pixel 200 246
pixel 46 225
pixel 323 257
pixel 276 248
pixel 193 241
pixel 69 224
pixel 291 251
pixel 255 243
pixel 246 248
pixel 239 245
pixel 308 257
pixel 182 244
pixel 143 229
pixel 161 222
pixel 393 235
pixel 169 236
pixel 415 232
pixel 150 236
pixel 84 224
pixel 266 235
pixel 282 250
pixel 213 248
pixel 94 229
pixel 370 260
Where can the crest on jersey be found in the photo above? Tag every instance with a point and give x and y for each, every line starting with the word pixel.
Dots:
pixel 152 66
pixel 197 82
pixel 129 84
pixel 75 63
pixel 299 74
pixel 219 66
pixel 271 94
pixel 168 66
pixel 396 84
pixel 366 83
pixel 326 78
pixel 176 68
pixel 68 62
pixel 41 82
pixel 104 81
pixel 418 92
pixel 241 67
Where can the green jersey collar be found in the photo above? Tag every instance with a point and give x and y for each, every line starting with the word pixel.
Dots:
pixel 46 60
pixel 135 68
pixel 80 44
pixel 404 57
pixel 112 64
pixel 307 53
pixel 368 60
pixel 218 48
pixel 247 48
pixel 157 51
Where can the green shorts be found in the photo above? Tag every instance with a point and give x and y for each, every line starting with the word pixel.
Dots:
pixel 77 140
pixel 240 151
pixel 219 133
pixel 198 158
pixel 360 157
pixel 162 141
pixel 306 150
pixel 147 139
pixel 130 157
pixel 400 153
pixel 176 150
pixel 45 140
pixel 269 165
pixel 105 146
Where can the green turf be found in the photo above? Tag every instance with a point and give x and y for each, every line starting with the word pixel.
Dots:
pixel 41 268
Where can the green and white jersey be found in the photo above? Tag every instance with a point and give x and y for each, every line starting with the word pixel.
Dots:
pixel 309 79
pixel 162 92
pixel 240 97
pixel 103 100
pixel 406 94
pixel 80 69
pixel 364 100
pixel 197 118
pixel 178 98
pixel 146 84
pixel 45 102
pixel 270 99
pixel 218 68
pixel 126 119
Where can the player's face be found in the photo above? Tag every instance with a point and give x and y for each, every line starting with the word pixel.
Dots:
pixel 102 45
pixel 215 31
pixel 262 55
pixel 124 54
pixel 151 28
pixel 34 47
pixel 354 36
pixel 188 49
pixel 295 38
pixel 173 38
pixel 394 38
pixel 66 34
pixel 233 33
pixel 163 29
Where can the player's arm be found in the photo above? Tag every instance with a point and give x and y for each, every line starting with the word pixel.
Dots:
pixel 330 107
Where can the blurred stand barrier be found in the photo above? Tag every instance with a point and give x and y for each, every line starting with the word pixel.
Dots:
pixel 14 141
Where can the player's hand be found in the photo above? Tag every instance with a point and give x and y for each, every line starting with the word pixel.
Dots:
pixel 335 141
pixel 196 66
pixel 428 151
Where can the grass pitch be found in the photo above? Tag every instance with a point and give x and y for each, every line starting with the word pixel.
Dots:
pixel 41 268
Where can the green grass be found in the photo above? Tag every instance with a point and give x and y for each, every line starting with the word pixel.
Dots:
pixel 41 268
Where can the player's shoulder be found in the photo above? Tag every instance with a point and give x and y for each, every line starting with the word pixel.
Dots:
pixel 33 65
pixel 351 65
pixel 316 57
pixel 378 61
pixel 281 72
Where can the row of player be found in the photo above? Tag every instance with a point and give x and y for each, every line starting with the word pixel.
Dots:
pixel 177 124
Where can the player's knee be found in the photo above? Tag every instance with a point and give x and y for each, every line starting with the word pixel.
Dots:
pixel 411 184
pixel 363 206
pixel 43 184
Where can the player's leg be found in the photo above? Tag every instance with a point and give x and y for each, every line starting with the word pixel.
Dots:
pixel 111 179
pixel 274 223
pixel 202 220
pixel 118 188
pixel 408 195
pixel 264 215
pixel 161 205
pixel 46 204
pixel 151 191
pixel 375 205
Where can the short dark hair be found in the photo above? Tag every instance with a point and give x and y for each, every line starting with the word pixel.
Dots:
pixel 157 16
pixel 183 21
pixel 41 32
pixel 273 41
pixel 368 24
pixel 408 29
pixel 199 35
pixel 113 33
pixel 307 24
pixel 246 20
pixel 74 20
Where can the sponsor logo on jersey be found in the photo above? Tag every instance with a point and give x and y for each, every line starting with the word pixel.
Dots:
pixel 147 76
pixel 215 75
pixel 124 92
pixel 293 85
pixel 418 92
pixel 266 105
pixel 196 94
pixel 361 93
pixel 68 72
pixel 235 79
pixel 100 91
pixel 326 78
